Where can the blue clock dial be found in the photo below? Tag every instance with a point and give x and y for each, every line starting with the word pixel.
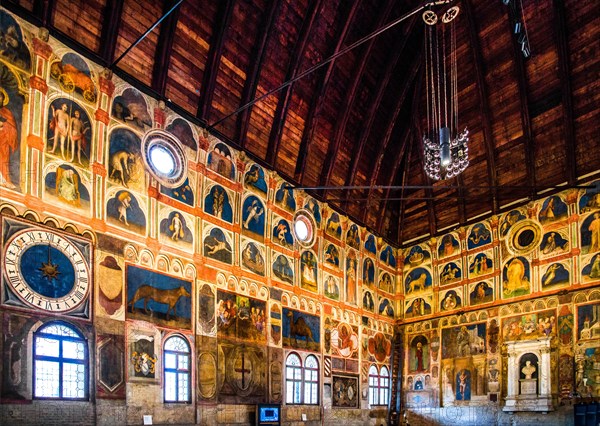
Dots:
pixel 48 271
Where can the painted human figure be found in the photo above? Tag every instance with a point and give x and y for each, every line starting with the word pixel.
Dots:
pixel 9 139
pixel 419 356
pixel 462 384
pixel 463 341
pixel 60 124
pixel 594 228
pixel 176 228
pixel 254 212
pixel 77 136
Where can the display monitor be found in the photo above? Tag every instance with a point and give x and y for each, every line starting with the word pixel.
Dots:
pixel 268 414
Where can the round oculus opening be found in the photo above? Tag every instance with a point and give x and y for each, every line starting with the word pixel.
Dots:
pixel 162 160
pixel 526 237
pixel 303 229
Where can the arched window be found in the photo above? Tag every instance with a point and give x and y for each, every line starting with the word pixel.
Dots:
pixel 177 370
pixel 301 383
pixel 60 363
pixel 379 382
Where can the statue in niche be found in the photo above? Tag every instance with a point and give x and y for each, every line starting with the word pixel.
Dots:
pixel 528 370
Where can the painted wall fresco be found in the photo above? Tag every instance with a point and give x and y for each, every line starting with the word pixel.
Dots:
pixel 301 330
pixel 345 391
pixel 463 341
pixel 158 298
pixel 241 317
pixel 11 110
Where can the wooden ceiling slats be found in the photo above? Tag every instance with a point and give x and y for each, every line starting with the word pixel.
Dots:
pixel 80 22
pixel 381 87
pixel 111 19
pixel 256 62
pixel 162 56
pixel 136 19
pixel 484 111
pixel 316 103
pixel 311 14
pixel 364 52
pixel 220 26
pixel 44 9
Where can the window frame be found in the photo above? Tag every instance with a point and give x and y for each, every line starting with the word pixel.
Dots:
pixel 379 385
pixel 61 360
pixel 307 377
pixel 177 370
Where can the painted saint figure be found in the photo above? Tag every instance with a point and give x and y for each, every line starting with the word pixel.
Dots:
pixel 60 125
pixel 9 139
pixel 594 228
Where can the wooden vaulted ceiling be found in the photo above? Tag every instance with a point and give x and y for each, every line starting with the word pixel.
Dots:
pixel 356 120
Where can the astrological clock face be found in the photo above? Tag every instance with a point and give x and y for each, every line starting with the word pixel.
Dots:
pixel 45 270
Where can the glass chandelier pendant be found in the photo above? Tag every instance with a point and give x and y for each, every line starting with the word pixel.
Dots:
pixel 446 153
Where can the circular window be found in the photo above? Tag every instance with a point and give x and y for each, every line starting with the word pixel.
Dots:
pixel 524 237
pixel 164 158
pixel 304 228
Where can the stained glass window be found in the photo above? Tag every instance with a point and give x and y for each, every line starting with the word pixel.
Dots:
pixel 60 360
pixel 177 370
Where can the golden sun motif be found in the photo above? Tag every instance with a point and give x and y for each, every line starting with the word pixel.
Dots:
pixel 50 270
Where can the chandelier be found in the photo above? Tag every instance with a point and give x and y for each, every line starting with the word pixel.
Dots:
pixel 446 153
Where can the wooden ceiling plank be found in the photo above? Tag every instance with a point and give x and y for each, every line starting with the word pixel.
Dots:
pixel 317 101
pixel 521 77
pixel 564 69
pixel 284 99
pixel 162 56
pixel 254 70
pixel 213 61
pixel 399 50
pixel 347 103
pixel 113 12
pixel 405 171
pixel 484 105
pixel 44 9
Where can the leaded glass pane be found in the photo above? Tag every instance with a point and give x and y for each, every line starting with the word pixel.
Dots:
pixel 73 350
pixel 177 344
pixel 293 360
pixel 45 346
pixel 183 362
pixel 311 362
pixel 59 330
pixel 46 379
pixel 170 360
pixel 73 381
pixel 297 392
pixel 183 387
pixel 170 386
pixel 289 392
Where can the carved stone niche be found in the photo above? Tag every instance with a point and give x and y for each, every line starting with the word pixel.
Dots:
pixel 529 376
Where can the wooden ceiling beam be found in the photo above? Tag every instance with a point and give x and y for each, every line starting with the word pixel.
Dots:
pixel 213 61
pixel 346 107
pixel 405 171
pixel 484 105
pixel 44 9
pixel 398 51
pixel 564 69
pixel 162 56
pixel 113 12
pixel 317 101
pixel 252 76
pixel 285 97
pixel 521 77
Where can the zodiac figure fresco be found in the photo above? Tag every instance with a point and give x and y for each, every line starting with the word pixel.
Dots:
pixel 253 216
pixel 481 265
pixel 417 308
pixel 370 244
pixel 175 228
pixel 74 76
pixel 590 234
pixel 450 273
pixel 479 236
pixel 282 234
pixel 553 242
pixel 448 246
pixel 308 266
pixel 282 269
pixel 553 209
pixel 12 46
pixel 387 256
pixel 220 160
pixel 417 280
pixel 556 274
pixel 331 288
pixel 124 164
pixel 515 276
pixel 482 293
pixel 334 228
pixel 416 256
pixel 131 108
pixel 255 179
pixel 510 219
pixel 285 197
pixel 353 237
pixel 66 185
pixel 368 271
pixel 450 301
pixel 182 193
pixel 124 210
pixel 332 255
pixel 217 203
pixel 217 247
pixel 253 259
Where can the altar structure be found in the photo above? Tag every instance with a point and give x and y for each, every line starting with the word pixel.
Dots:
pixel 529 376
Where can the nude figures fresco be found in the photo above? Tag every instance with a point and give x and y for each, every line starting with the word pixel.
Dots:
pixel 253 217
pixel 217 203
pixel 158 298
pixel 217 246
pixel 282 234
pixel 69 132
pixel 175 229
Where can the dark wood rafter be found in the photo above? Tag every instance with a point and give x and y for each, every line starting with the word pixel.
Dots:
pixel 564 70
pixel 222 20
pixel 162 56
pixel 400 153
pixel 43 10
pixel 414 71
pixel 286 95
pixel 521 77
pixel 318 100
pixel 348 101
pixel 405 171
pixel 251 83
pixel 484 106
pixel 399 50
pixel 110 30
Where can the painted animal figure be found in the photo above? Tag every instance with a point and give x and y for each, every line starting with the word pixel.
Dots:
pixel 299 328
pixel 417 284
pixel 168 297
